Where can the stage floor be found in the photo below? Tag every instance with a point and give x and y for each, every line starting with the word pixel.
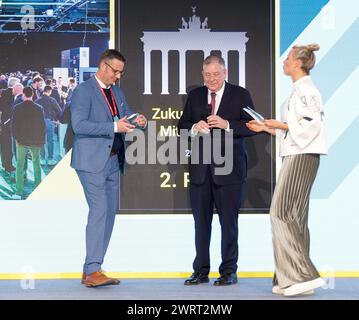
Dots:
pixel 167 289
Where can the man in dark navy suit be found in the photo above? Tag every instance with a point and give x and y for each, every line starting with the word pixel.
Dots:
pixel 216 106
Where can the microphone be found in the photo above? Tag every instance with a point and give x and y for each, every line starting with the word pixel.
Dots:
pixel 207 112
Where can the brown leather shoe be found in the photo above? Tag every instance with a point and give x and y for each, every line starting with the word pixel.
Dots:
pixel 115 281
pixel 97 279
pixel 83 278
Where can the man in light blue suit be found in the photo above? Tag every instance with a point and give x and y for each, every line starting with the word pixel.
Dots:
pixel 99 120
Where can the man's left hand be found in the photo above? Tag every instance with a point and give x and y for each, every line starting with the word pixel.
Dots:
pixel 215 121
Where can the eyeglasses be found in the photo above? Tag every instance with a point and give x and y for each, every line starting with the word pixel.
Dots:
pixel 116 72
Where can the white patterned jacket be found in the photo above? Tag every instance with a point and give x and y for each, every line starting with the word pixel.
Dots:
pixel 303 112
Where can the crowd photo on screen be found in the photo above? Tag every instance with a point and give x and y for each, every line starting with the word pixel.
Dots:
pixel 43 58
pixel 28 149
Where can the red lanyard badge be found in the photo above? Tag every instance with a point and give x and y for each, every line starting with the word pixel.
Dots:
pixel 113 108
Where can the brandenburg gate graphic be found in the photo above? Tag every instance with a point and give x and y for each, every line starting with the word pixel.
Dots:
pixel 193 35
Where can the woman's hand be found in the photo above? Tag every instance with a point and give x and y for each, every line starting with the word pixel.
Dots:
pixel 260 127
pixel 256 126
pixel 275 124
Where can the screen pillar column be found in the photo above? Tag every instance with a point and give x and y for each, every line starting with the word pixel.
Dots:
pixel 165 72
pixel 182 72
pixel 242 67
pixel 225 58
pixel 147 71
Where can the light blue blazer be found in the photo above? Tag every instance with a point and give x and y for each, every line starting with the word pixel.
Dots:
pixel 93 126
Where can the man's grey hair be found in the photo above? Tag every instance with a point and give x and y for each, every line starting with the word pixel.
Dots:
pixel 19 84
pixel 214 59
pixel 12 81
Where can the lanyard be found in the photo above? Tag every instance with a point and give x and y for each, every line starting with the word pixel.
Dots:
pixel 114 109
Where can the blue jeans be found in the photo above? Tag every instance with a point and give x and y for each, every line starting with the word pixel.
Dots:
pixel 49 140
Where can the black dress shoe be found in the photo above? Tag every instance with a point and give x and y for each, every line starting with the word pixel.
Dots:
pixel 196 278
pixel 226 279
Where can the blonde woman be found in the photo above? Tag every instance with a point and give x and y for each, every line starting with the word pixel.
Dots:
pixel 302 141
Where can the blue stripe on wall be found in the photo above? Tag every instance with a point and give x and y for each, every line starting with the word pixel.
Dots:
pixel 334 68
pixel 340 61
pixel 295 16
pixel 342 159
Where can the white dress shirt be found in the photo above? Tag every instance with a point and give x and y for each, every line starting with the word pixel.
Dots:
pixel 218 100
pixel 103 86
pixel 219 95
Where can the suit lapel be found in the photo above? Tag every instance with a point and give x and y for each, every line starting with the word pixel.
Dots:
pixel 100 97
pixel 225 100
pixel 203 101
pixel 119 101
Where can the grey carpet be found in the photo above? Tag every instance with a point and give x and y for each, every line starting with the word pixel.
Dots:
pixel 167 289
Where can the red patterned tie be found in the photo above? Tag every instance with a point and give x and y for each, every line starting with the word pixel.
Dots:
pixel 213 102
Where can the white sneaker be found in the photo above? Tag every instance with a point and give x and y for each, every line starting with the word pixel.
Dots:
pixel 300 288
pixel 279 291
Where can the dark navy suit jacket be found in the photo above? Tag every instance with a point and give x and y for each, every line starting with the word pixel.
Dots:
pixel 233 101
